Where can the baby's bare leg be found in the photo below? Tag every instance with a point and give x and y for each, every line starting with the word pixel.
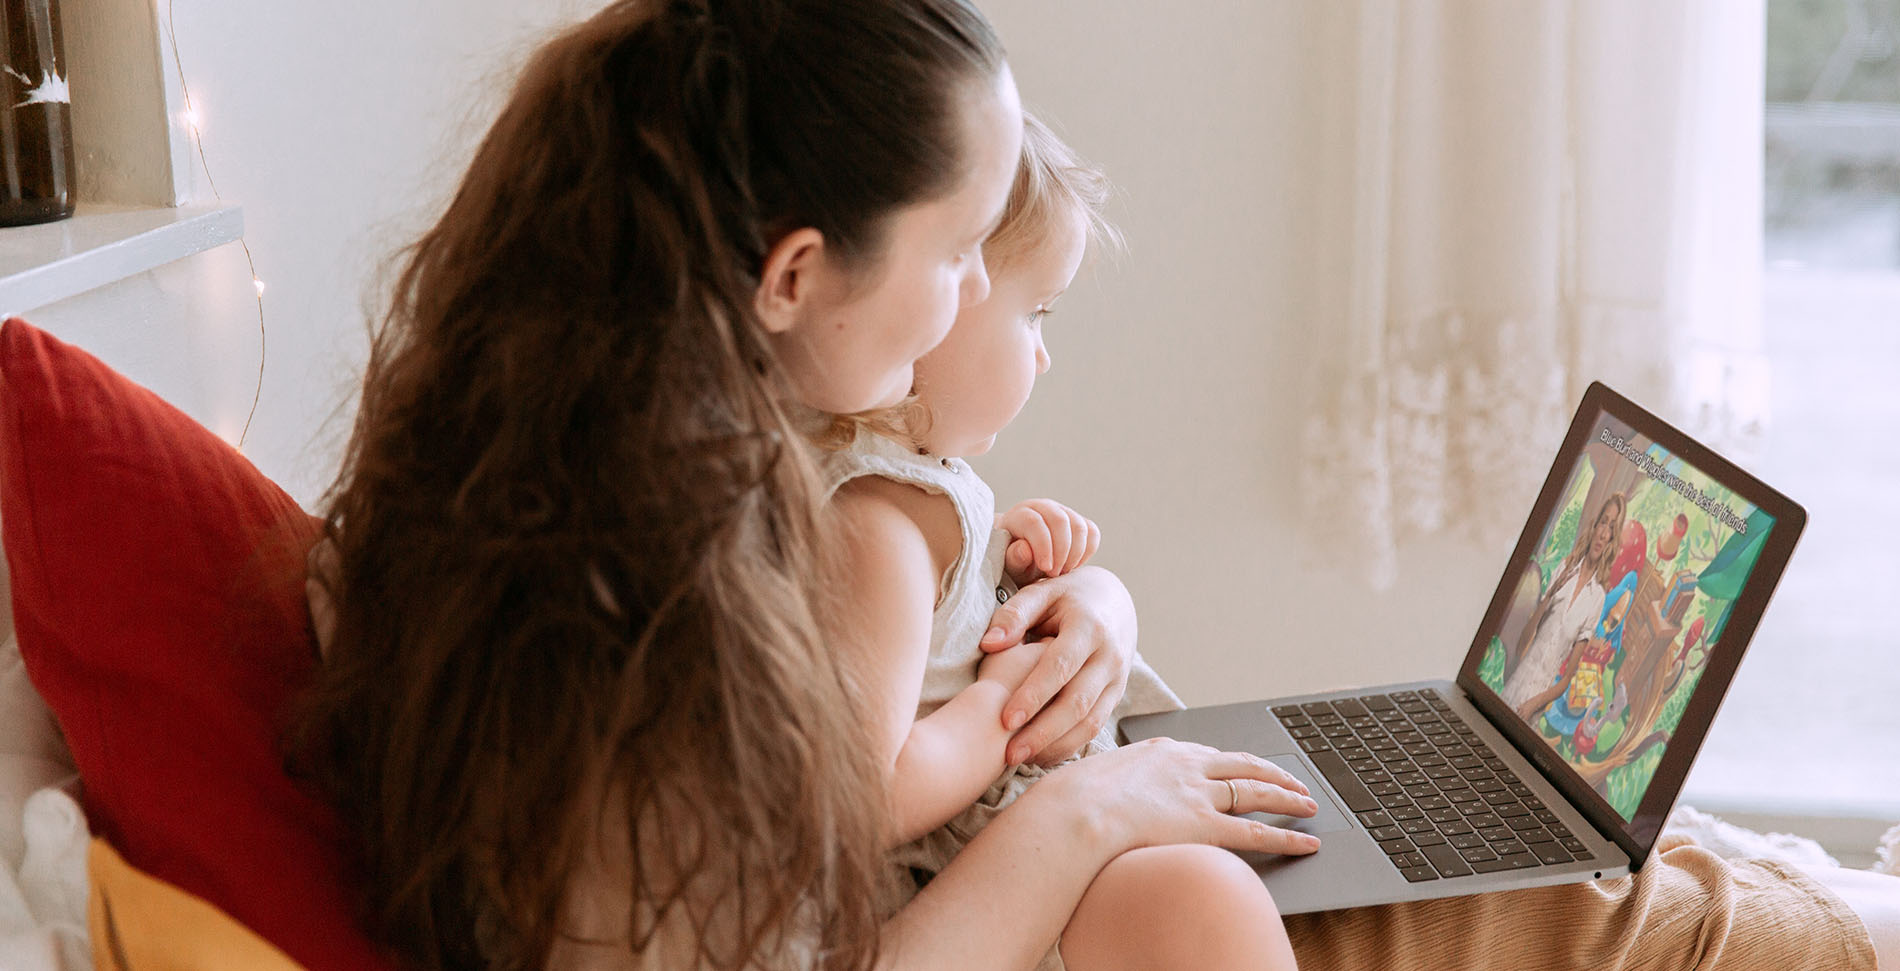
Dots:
pixel 1182 906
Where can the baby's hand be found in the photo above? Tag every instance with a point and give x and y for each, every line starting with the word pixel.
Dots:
pixel 1010 666
pixel 1047 539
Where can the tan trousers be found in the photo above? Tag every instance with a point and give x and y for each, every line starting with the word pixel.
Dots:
pixel 1687 908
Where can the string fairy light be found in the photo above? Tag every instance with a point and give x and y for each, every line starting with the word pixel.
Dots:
pixel 194 120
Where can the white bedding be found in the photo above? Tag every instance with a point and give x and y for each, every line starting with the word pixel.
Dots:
pixel 43 898
pixel 43 836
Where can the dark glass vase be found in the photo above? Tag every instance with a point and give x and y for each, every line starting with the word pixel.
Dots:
pixel 36 134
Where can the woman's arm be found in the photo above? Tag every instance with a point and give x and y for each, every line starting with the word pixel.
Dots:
pixel 1003 900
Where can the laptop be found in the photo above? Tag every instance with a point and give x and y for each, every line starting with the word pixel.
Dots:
pixel 1560 746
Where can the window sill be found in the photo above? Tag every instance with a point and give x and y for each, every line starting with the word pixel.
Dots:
pixel 102 244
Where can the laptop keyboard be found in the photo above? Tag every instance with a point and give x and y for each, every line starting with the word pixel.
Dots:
pixel 1441 804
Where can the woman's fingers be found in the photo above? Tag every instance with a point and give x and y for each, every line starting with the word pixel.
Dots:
pixel 1077 737
pixel 1240 833
pixel 1013 620
pixel 1161 790
pixel 1233 765
pixel 1254 796
pixel 1070 697
pixel 1092 620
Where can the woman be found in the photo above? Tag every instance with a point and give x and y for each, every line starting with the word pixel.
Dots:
pixel 579 706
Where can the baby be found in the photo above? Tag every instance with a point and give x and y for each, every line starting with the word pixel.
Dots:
pixel 951 776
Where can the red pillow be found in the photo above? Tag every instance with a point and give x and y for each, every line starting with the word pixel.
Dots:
pixel 158 591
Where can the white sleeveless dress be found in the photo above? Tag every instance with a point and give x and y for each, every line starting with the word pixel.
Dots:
pixel 968 593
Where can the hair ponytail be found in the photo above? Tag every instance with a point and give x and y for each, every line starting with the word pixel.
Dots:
pixel 576 531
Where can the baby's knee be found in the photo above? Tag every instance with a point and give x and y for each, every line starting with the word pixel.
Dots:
pixel 1197 882
pixel 1193 863
pixel 1183 906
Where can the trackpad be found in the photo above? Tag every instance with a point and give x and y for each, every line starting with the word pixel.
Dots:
pixel 1330 818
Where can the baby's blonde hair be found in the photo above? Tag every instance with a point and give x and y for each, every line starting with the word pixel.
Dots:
pixel 1052 182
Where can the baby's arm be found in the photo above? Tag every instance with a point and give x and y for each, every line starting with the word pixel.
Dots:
pixel 938 766
pixel 1047 539
pixel 957 751
pixel 887 569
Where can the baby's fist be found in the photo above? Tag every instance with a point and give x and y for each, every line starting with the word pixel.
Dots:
pixel 1047 539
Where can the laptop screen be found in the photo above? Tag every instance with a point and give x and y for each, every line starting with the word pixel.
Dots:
pixel 1621 603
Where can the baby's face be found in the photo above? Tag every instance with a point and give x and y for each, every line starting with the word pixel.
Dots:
pixel 975 382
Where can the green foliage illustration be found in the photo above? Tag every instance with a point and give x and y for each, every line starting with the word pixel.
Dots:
pixel 1491 669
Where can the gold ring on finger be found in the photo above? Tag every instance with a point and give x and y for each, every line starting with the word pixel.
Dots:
pixel 1233 796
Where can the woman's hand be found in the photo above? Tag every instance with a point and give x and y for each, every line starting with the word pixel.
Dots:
pixel 1159 791
pixel 988 909
pixel 1082 674
pixel 1012 666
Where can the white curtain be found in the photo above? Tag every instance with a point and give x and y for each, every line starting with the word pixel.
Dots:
pixel 1519 197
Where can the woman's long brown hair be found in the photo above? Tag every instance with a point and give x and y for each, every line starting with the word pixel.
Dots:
pixel 576 531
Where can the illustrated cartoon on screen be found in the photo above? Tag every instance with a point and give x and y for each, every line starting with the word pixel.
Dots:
pixel 1582 686
pixel 1620 607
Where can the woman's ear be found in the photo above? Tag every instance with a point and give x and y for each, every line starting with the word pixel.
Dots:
pixel 790 277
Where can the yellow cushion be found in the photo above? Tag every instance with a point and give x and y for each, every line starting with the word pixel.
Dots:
pixel 141 922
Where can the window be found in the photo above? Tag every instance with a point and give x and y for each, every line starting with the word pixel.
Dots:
pixel 1808 725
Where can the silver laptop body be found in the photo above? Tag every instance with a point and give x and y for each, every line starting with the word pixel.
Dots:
pixel 1441 788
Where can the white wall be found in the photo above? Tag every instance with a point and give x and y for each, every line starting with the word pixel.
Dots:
pixel 1171 409
pixel 337 126
pixel 1171 412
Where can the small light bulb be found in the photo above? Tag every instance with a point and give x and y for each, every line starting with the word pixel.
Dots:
pixel 259 284
pixel 193 118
